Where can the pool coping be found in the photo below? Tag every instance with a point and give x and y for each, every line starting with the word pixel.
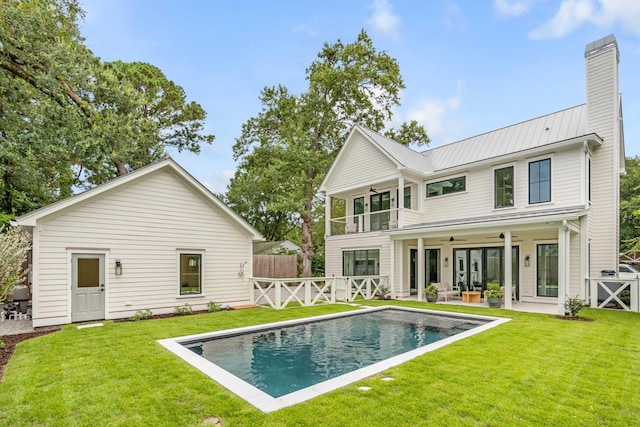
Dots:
pixel 267 403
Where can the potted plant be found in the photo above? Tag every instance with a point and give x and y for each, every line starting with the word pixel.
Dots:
pixel 494 295
pixel 432 293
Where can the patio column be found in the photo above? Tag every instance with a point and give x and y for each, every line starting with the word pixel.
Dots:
pixel 508 273
pixel 327 215
pixel 400 202
pixel 420 269
pixel 392 268
pixel 563 266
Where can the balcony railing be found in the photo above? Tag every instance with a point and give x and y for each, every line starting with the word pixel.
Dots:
pixel 362 223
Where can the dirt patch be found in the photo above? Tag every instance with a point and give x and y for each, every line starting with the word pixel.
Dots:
pixel 10 342
pixel 578 319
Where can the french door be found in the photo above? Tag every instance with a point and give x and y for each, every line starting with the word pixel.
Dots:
pixel 476 268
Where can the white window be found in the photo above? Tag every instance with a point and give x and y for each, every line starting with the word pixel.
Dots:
pixel 190 272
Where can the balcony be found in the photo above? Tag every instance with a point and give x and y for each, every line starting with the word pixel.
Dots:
pixel 373 221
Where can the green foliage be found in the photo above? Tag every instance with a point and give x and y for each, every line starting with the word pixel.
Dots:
pixel 213 307
pixel 67 119
pixel 183 310
pixel 630 206
pixel 14 245
pixel 572 306
pixel 431 290
pixel 287 149
pixel 142 315
pixel 2 344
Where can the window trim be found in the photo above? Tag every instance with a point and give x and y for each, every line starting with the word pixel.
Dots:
pixel 537 266
pixel 179 254
pixel 367 250
pixel 404 197
pixel 513 185
pixel 464 190
pixel 539 160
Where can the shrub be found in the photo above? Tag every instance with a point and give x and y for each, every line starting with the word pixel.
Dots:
pixel 14 245
pixel 183 310
pixel 431 290
pixel 213 306
pixel 572 306
pixel 142 315
pixel 2 345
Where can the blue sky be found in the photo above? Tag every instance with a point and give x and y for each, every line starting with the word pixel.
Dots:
pixel 469 66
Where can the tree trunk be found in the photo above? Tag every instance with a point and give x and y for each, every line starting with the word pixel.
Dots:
pixel 307 226
pixel 120 167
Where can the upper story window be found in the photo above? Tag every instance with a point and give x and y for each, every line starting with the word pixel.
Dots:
pixel 407 197
pixel 358 207
pixel 503 179
pixel 190 273
pixel 540 181
pixel 448 186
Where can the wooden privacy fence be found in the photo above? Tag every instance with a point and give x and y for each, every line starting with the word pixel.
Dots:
pixel 275 266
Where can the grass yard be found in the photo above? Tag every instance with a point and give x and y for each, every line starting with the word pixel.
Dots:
pixel 534 370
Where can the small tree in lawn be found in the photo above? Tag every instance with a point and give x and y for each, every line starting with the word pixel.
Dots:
pixel 14 245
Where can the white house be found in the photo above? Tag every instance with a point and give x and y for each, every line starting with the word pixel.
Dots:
pixel 153 239
pixel 545 191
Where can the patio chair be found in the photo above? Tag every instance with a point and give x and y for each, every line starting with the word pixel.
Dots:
pixel 446 290
pixel 513 292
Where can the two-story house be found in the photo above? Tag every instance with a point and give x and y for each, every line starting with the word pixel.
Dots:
pixel 532 206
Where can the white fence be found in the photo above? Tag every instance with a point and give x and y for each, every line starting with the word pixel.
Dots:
pixel 278 293
pixel 614 293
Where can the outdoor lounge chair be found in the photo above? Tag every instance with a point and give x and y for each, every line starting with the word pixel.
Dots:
pixel 446 290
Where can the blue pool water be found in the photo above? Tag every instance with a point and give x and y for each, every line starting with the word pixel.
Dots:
pixel 282 360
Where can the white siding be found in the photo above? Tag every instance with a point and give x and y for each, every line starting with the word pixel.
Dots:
pixel 142 224
pixel 478 200
pixel 602 115
pixel 362 162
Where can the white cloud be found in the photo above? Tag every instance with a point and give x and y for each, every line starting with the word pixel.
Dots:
pixel 383 18
pixel 302 28
pixel 572 14
pixel 453 17
pixel 431 113
pixel 512 8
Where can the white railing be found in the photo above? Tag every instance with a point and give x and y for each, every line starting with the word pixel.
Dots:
pixel 614 293
pixel 278 293
pixel 362 223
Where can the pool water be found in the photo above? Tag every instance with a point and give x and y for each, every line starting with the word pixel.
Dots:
pixel 282 360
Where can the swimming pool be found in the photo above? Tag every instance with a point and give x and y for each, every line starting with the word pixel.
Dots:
pixel 280 364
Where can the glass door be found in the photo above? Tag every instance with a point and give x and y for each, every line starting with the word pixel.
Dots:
pixel 380 203
pixel 413 270
pixel 476 268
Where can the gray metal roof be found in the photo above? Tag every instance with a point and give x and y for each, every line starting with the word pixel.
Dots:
pixel 559 126
pixel 402 154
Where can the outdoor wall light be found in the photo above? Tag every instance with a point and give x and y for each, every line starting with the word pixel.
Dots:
pixel 527 261
pixel 118 268
pixel 446 261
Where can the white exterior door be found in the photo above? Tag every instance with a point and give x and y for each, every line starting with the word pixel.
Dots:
pixel 87 287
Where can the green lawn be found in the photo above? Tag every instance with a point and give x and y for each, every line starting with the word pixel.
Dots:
pixel 534 370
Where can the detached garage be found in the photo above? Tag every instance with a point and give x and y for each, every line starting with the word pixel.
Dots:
pixel 153 239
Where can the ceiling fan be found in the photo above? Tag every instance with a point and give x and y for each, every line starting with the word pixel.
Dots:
pixel 453 239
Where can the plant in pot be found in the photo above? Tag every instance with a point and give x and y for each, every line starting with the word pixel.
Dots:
pixel 432 293
pixel 494 295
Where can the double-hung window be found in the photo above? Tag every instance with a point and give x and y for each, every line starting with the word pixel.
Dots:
pixel 540 181
pixel 503 179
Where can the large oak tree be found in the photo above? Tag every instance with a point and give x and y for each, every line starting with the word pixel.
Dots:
pixel 295 138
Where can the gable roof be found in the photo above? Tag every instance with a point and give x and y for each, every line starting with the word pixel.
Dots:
pixel 555 127
pixel 30 219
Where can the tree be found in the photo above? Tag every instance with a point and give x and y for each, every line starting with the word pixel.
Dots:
pixel 348 84
pixel 630 206
pixel 14 245
pixel 67 119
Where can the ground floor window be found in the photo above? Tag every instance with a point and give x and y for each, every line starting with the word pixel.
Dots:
pixel 547 270
pixel 364 262
pixel 190 273
pixel 432 265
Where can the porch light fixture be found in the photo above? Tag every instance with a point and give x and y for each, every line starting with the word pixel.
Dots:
pixel 118 268
pixel 446 261
pixel 527 261
pixel 502 235
pixel 451 239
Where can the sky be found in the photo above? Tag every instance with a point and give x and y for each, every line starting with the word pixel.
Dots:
pixel 468 66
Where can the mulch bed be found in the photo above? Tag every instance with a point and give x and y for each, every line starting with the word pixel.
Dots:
pixel 10 342
pixel 579 319
pixel 164 316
